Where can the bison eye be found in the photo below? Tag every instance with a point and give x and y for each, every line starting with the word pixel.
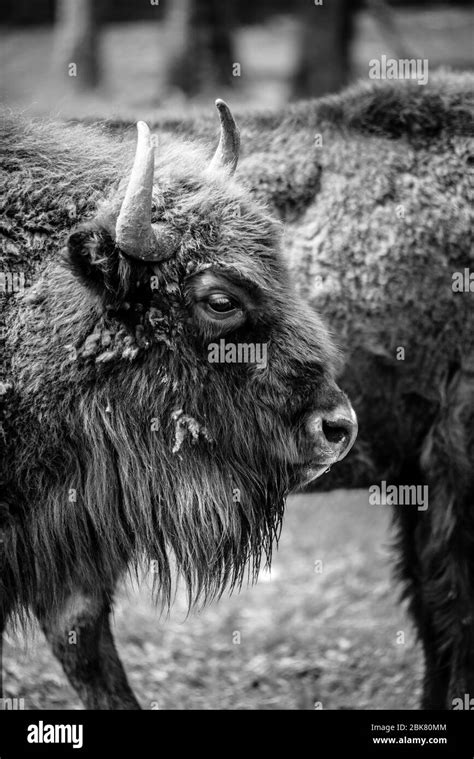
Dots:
pixel 221 306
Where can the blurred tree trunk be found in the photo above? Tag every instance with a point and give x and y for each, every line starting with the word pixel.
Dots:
pixel 199 52
pixel 325 39
pixel 76 45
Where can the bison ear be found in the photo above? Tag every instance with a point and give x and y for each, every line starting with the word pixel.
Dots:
pixel 93 258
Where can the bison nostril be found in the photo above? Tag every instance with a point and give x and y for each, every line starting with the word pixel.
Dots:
pixel 335 432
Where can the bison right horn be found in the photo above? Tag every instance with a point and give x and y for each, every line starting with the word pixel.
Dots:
pixel 135 235
pixel 227 153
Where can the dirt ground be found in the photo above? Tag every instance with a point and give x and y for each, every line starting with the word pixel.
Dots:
pixel 323 630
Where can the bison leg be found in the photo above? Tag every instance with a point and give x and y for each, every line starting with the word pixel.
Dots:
pixel 80 637
pixel 438 549
pixel 446 611
pixel 436 677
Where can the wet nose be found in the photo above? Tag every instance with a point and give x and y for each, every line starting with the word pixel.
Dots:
pixel 333 433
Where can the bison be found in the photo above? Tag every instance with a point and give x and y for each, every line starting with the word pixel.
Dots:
pixel 373 189
pixel 385 251
pixel 122 443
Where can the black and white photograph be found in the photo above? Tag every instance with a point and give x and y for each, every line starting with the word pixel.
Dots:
pixel 237 367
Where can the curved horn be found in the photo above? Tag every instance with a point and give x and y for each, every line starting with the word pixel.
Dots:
pixel 134 233
pixel 227 153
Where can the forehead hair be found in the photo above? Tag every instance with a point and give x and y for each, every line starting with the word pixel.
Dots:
pixel 211 212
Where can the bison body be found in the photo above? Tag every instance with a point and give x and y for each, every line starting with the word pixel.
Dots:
pixel 378 226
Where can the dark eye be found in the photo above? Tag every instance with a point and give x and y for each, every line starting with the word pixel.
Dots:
pixel 219 304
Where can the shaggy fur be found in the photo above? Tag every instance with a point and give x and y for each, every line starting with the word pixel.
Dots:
pixel 376 220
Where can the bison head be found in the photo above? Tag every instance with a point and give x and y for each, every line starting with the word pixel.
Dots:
pixel 199 389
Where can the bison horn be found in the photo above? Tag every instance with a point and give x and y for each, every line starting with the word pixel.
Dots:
pixel 134 233
pixel 227 153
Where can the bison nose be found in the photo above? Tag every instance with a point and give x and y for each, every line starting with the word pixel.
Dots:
pixel 333 433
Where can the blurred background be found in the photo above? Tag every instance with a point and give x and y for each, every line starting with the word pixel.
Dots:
pixel 110 57
pixel 324 629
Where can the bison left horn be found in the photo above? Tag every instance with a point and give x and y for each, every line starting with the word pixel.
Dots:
pixel 135 235
pixel 227 153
